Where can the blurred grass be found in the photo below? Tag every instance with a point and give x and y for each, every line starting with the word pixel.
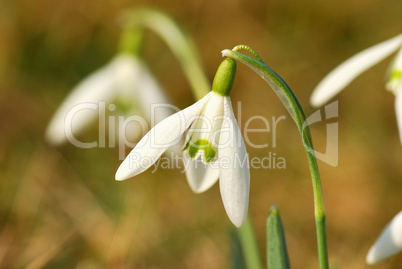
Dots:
pixel 61 208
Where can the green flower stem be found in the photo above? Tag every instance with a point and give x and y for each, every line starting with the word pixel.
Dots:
pixel 179 43
pixel 249 245
pixel 131 41
pixel 295 110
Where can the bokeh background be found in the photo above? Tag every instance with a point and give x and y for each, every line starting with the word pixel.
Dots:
pixel 60 207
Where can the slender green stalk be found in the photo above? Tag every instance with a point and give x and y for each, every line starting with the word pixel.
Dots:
pixel 295 110
pixel 179 43
pixel 131 41
pixel 249 245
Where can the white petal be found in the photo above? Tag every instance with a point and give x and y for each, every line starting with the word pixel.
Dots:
pixel 200 176
pixel 208 124
pixel 165 134
pixel 234 179
pixel 137 89
pixel 389 243
pixel 394 80
pixel 398 111
pixel 341 76
pixel 136 82
pixel 97 87
pixel 152 94
pixel 397 64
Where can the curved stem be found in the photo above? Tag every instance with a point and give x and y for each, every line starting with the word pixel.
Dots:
pixel 245 47
pixel 179 43
pixel 294 108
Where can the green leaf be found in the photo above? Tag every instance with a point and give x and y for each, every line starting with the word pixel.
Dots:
pixel 237 257
pixel 249 245
pixel 277 254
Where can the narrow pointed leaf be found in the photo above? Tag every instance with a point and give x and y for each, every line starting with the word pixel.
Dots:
pixel 277 254
pixel 238 261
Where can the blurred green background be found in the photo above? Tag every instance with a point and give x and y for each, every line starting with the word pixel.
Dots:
pixel 62 208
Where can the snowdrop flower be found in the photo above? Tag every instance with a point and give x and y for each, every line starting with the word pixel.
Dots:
pixel 213 148
pixel 389 243
pixel 125 78
pixel 341 76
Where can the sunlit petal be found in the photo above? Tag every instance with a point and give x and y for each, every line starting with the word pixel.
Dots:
pixel 203 135
pixel 397 63
pixel 342 75
pixel 389 243
pixel 398 111
pixel 165 134
pixel 234 179
pixel 394 74
pixel 200 176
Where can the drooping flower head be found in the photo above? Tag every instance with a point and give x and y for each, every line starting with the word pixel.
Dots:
pixel 213 148
pixel 126 81
pixel 126 78
pixel 346 72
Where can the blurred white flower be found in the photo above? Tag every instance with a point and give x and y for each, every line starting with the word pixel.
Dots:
pixel 214 147
pixel 388 243
pixel 124 79
pixel 346 72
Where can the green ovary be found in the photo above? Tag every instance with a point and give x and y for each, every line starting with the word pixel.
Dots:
pixel 396 74
pixel 201 144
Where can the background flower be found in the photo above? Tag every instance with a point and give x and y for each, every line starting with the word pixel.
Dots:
pixel 347 71
pixel 342 75
pixel 125 81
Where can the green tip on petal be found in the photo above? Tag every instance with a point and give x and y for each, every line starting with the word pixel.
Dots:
pixel 202 144
pixel 394 81
pixel 225 77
